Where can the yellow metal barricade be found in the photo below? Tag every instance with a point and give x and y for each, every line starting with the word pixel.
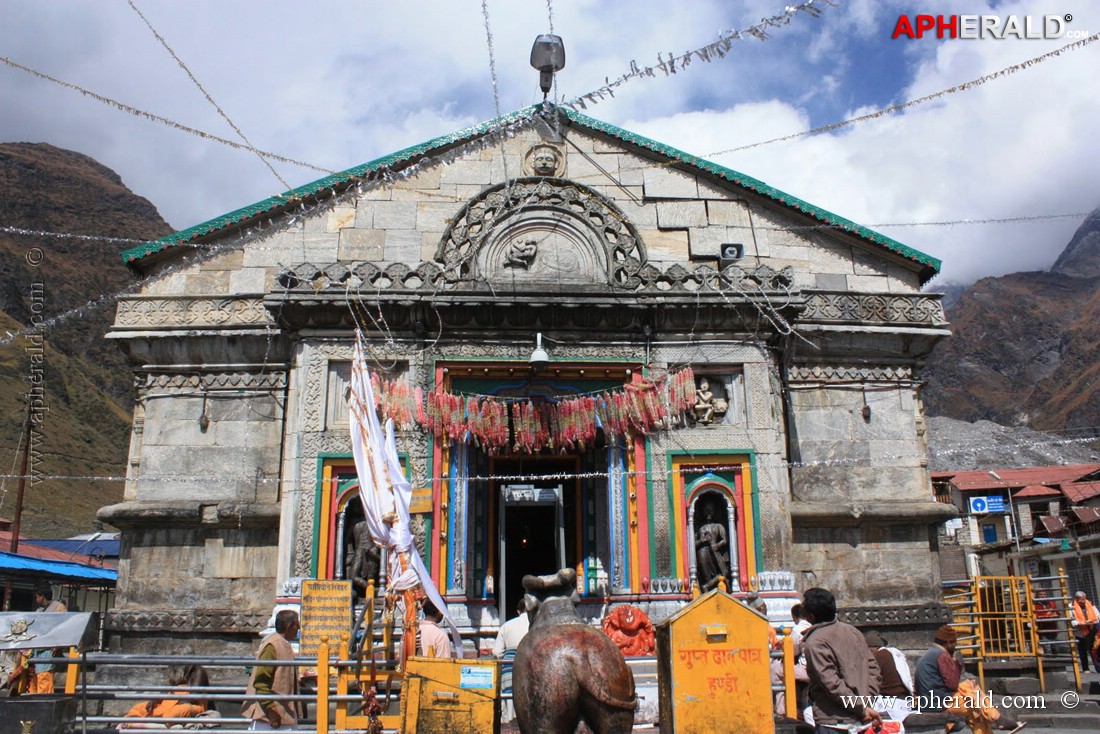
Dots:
pixel 995 617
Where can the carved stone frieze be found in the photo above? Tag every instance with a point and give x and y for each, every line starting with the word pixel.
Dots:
pixel 188 620
pixel 850 373
pixel 190 313
pixel 308 280
pixel 923 310
pixel 923 614
pixel 212 381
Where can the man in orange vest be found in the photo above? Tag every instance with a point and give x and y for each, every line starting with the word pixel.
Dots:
pixel 1085 621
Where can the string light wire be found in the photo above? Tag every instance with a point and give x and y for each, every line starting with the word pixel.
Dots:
pixel 122 107
pixel 209 98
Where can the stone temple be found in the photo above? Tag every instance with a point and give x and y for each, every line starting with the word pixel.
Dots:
pixel 798 459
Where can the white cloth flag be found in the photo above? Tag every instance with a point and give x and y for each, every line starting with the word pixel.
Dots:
pixel 385 492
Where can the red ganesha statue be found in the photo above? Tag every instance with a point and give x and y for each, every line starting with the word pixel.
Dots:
pixel 629 628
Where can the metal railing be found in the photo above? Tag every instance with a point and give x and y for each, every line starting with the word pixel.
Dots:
pixel 1003 617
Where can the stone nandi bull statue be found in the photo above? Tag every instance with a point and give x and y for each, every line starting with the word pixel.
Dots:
pixel 567 671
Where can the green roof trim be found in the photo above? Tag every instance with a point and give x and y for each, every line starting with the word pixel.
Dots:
pixel 289 197
pixel 756 185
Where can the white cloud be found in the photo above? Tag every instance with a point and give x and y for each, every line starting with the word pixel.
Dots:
pixel 339 83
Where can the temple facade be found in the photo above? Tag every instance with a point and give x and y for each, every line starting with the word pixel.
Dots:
pixel 554 266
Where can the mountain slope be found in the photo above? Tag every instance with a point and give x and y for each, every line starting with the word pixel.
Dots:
pixel 1025 347
pixel 86 385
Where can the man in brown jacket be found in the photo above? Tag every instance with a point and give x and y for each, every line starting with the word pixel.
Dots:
pixel 844 675
pixel 275 680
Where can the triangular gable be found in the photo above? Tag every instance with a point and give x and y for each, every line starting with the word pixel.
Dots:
pixel 517 120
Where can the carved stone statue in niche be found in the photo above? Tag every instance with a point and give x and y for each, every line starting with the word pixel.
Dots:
pixel 545 160
pixel 709 407
pixel 712 551
pixel 365 560
pixel 521 253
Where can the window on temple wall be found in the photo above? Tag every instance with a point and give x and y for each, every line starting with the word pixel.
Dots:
pixel 719 396
pixel 336 401
pixel 338 384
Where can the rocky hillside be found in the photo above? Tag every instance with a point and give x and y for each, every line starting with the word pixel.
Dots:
pixel 86 398
pixel 1025 349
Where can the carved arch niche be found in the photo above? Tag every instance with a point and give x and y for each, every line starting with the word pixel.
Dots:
pixel 713 532
pixel 542 230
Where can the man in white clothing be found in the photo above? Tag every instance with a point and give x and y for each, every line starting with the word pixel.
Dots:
pixel 504 648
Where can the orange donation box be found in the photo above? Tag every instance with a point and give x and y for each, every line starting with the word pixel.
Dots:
pixel 713 668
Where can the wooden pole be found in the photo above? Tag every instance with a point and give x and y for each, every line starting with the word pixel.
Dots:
pixel 13 546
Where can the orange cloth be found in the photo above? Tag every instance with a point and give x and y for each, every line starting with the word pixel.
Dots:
pixel 41 683
pixel 969 703
pixel 1086 617
pixel 168 708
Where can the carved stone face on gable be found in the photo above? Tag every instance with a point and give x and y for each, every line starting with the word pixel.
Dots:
pixel 536 230
pixel 544 160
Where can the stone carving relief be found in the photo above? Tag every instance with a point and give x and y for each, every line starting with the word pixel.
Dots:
pixel 521 253
pixel 730 283
pixel 560 216
pixel 544 160
pixel 210 381
pixel 862 307
pixel 927 614
pixel 186 621
pixel 850 373
pixel 711 402
pixel 191 312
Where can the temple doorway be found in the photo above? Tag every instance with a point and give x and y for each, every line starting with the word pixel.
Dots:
pixel 531 542
pixel 535 500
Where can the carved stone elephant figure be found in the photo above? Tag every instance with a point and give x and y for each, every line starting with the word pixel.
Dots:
pixel 566 671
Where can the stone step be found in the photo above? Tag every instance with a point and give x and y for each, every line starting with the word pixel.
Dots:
pixel 1061 722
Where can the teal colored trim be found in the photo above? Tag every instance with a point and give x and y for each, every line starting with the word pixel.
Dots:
pixel 296 195
pixel 288 198
pixel 708 478
pixel 321 459
pixel 756 513
pixel 652 529
pixel 759 187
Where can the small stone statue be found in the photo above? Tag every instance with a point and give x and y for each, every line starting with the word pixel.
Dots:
pixel 365 561
pixel 708 408
pixel 711 551
pixel 521 253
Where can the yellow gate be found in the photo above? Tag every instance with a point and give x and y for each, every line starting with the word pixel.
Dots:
pixel 1002 616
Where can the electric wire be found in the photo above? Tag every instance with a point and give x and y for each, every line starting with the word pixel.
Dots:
pixel 209 98
pixel 122 107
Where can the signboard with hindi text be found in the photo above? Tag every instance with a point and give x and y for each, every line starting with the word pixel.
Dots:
pixel 326 612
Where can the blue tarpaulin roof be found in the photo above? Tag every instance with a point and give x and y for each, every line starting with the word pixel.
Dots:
pixel 107 547
pixel 15 564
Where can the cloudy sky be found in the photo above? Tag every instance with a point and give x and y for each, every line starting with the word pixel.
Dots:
pixel 338 83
